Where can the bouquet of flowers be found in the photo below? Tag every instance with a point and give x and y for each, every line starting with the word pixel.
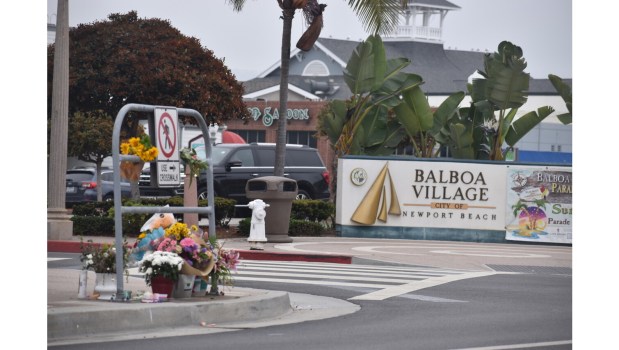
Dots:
pixel 226 263
pixel 100 258
pixel 160 263
pixel 141 147
pixel 175 237
pixel 190 158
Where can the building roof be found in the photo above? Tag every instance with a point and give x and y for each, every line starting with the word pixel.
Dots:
pixel 444 71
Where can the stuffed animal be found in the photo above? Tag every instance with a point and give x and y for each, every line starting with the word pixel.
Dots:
pixel 163 220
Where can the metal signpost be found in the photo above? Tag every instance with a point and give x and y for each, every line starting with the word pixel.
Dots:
pixel 166 140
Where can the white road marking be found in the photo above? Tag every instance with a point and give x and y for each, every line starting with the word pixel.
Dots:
pixel 417 285
pixel 382 281
pixel 521 346
pixel 57 259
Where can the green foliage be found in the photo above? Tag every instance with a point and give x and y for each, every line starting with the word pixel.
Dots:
pixel 92 226
pixel 300 228
pixel 566 94
pixel 224 210
pixel 244 227
pixel 97 218
pixel 108 69
pixel 91 136
pixel 312 210
pixel 297 228
pixel 365 124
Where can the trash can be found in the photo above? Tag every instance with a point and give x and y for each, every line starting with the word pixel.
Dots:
pixel 278 192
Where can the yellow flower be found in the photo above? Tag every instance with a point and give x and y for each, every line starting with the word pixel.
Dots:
pixel 137 146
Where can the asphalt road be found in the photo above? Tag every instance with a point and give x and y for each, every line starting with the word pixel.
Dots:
pixel 530 310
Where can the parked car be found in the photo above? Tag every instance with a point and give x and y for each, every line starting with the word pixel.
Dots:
pixel 235 164
pixel 82 186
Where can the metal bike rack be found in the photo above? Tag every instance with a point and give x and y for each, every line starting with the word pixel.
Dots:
pixel 119 210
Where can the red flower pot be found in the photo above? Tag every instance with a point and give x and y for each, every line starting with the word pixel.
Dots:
pixel 162 285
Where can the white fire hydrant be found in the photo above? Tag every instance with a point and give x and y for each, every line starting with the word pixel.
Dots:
pixel 257 235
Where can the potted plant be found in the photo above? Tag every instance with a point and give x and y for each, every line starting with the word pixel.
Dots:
pixel 101 258
pixel 161 270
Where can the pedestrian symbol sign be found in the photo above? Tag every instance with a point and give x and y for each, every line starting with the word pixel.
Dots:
pixel 168 161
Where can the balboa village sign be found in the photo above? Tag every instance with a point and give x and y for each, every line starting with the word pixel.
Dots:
pixel 447 200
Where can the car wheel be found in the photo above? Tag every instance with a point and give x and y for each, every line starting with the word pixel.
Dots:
pixel 203 193
pixel 108 198
pixel 303 195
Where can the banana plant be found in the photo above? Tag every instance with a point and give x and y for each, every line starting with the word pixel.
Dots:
pixel 565 91
pixel 362 124
pixel 477 132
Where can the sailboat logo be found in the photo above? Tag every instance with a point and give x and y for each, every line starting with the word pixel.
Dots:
pixel 368 210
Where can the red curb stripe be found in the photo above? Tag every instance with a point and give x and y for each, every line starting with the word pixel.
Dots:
pixel 74 247
pixel 276 256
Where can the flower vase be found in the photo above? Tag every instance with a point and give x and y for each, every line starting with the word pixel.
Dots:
pixel 184 286
pixel 162 285
pixel 131 170
pixel 82 291
pixel 105 286
pixel 214 283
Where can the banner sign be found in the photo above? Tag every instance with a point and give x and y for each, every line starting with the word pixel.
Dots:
pixel 539 204
pixel 421 194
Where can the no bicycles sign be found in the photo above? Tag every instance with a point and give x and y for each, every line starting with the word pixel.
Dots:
pixel 168 161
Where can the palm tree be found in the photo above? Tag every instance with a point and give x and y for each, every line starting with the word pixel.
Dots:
pixel 377 17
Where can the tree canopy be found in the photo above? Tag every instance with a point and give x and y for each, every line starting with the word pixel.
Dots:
pixel 127 59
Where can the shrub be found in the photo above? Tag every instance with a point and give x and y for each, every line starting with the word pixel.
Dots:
pixel 312 210
pixel 305 228
pixel 97 218
pixel 297 228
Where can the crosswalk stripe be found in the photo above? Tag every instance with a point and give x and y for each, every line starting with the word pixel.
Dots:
pixel 354 266
pixel 382 281
pixel 360 277
pixel 343 272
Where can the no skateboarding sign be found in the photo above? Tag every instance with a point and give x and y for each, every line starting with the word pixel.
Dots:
pixel 168 161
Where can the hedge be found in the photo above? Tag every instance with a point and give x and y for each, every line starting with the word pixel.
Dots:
pixel 97 218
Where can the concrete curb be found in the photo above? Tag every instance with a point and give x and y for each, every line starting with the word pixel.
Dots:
pixel 96 319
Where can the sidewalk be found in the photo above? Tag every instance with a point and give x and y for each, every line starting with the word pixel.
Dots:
pixel 71 320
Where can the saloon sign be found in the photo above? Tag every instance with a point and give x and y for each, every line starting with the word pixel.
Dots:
pixel 268 114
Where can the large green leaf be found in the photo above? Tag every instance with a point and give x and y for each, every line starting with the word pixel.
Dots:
pixel 506 83
pixel 446 110
pixel 365 70
pixel 461 142
pixel 332 122
pixel 526 123
pixel 565 91
pixel 414 113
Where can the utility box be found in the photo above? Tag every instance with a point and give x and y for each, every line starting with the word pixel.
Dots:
pixel 278 192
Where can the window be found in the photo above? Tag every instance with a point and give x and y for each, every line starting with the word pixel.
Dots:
pixel 301 138
pixel 251 135
pixel 316 68
pixel 245 156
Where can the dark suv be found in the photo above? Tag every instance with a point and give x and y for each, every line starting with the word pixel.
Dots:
pixel 235 164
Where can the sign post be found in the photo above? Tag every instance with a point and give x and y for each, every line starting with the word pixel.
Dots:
pixel 168 160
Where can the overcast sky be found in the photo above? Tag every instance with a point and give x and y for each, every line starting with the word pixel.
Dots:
pixel 250 41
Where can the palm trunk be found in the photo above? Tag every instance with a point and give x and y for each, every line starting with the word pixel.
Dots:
pixel 280 146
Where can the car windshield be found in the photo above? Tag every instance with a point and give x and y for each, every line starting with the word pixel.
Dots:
pixel 218 153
